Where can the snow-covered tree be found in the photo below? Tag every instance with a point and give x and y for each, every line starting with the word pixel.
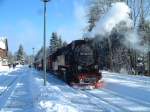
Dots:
pixel 39 54
pixel 138 8
pixel 10 57
pixel 21 54
pixel 96 9
pixel 64 44
pixel 55 42
pixel 60 43
pixel 144 32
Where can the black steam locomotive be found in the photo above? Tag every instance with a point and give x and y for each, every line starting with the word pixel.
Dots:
pixel 76 64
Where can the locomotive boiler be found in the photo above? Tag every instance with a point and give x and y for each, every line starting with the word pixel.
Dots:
pixel 77 64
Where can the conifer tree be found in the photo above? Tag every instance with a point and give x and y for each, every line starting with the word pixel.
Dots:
pixel 54 42
pixel 10 57
pixel 60 42
pixel 64 44
pixel 21 54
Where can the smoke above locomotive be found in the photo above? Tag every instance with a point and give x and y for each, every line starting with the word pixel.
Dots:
pixel 118 13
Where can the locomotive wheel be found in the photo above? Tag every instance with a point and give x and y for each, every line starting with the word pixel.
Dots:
pixel 66 77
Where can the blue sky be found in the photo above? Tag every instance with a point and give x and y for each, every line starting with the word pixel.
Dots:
pixel 21 21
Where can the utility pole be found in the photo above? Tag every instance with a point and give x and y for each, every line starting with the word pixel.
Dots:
pixel 149 61
pixel 44 42
pixel 33 57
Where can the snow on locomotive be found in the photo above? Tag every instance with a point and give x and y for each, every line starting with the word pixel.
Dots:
pixel 77 64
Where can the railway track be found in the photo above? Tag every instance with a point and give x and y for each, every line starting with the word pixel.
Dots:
pixel 116 102
pixel 94 107
pixel 109 101
pixel 119 103
pixel 7 84
pixel 140 102
pixel 135 79
pixel 108 106
pixel 8 81
pixel 3 80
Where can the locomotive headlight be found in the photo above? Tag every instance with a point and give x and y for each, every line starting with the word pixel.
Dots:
pixel 79 67
pixel 96 66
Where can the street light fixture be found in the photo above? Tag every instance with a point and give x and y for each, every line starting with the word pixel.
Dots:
pixel 44 41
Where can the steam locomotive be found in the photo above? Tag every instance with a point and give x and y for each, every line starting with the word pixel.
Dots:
pixel 76 64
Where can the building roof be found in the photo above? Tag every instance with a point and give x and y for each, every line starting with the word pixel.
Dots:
pixel 3 43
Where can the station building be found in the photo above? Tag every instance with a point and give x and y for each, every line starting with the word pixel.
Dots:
pixel 3 51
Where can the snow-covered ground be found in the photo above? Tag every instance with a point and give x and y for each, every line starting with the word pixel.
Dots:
pixel 22 90
pixel 4 68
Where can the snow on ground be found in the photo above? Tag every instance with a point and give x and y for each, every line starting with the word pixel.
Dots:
pixel 50 98
pixel 6 69
pixel 129 85
pixel 22 90
pixel 59 97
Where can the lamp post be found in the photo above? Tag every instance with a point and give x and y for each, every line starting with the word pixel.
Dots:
pixel 33 57
pixel 44 41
